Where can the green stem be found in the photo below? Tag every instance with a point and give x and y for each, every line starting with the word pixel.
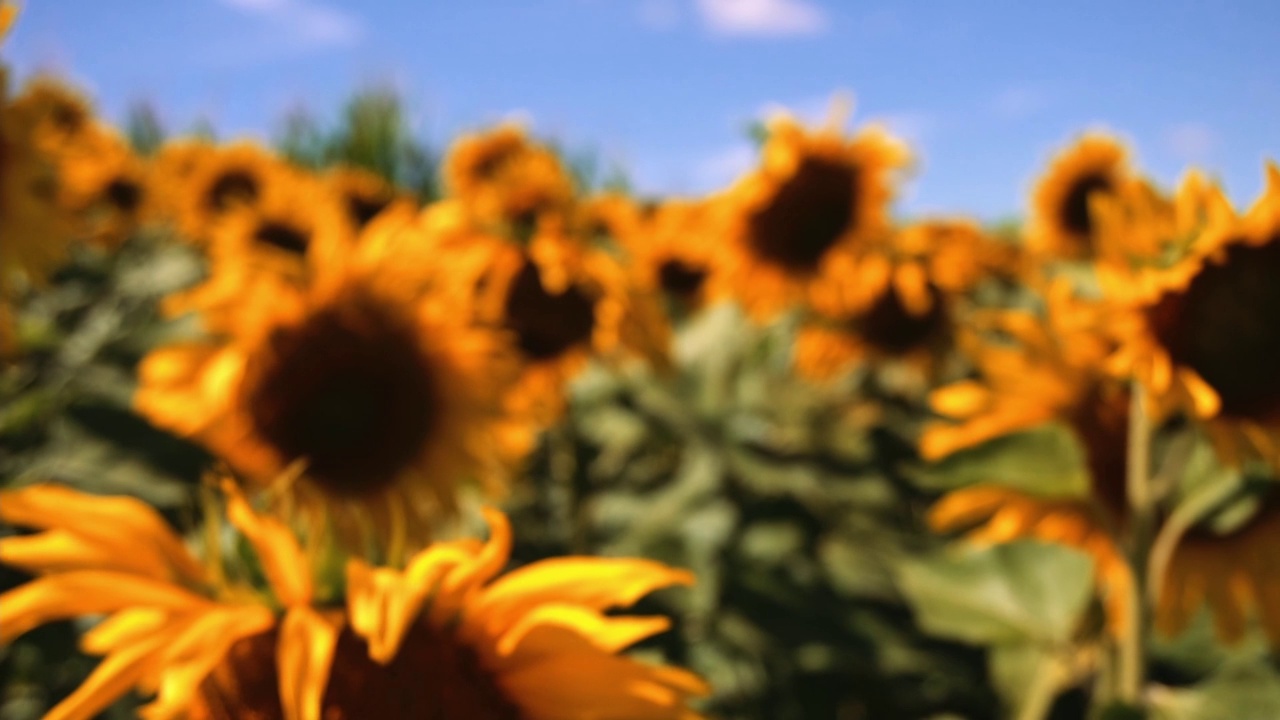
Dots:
pixel 1141 533
pixel 1043 690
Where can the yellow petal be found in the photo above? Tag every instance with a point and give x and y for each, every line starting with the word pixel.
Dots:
pixel 912 286
pixel 304 657
pixel 609 634
pixel 487 563
pixel 283 561
pixel 1204 399
pixel 960 400
pixel 115 675
pixel 593 583
pixel 85 592
pixel 119 525
pixel 8 13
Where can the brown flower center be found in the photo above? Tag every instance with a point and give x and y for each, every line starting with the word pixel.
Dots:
pixel 1224 327
pixel 123 194
pixel 431 677
pixel 680 278
pixel 350 390
pixel 546 325
pixel 889 327
pixel 807 215
pixel 1101 422
pixel 1075 215
pixel 282 236
pixel 362 209
pixel 231 188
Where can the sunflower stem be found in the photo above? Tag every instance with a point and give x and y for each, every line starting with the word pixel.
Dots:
pixel 1141 534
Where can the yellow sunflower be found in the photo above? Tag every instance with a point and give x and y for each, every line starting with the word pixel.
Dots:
pixel 892 300
pixel 390 398
pixel 1232 572
pixel 506 179
pixel 815 196
pixel 105 187
pixel 445 633
pixel 560 304
pixel 63 120
pixel 232 177
pixel 8 14
pixel 1200 333
pixel 1052 371
pixel 674 252
pixel 1062 224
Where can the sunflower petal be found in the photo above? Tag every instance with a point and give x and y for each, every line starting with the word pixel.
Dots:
pixel 305 657
pixel 283 561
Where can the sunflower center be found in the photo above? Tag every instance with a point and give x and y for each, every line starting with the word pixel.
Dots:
pixel 681 279
pixel 432 676
pixel 350 390
pixel 546 325
pixel 362 210
pixel 889 327
pixel 807 215
pixel 1224 327
pixel 282 236
pixel 124 194
pixel 1075 206
pixel 231 188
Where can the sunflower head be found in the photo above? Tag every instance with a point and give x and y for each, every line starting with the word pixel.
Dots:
pixel 1062 220
pixel 675 254
pixel 506 179
pixel 816 195
pixel 230 178
pixel 63 119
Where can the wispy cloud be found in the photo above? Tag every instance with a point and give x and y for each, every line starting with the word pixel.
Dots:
pixel 1019 102
pixel 1191 141
pixel 762 18
pixel 305 23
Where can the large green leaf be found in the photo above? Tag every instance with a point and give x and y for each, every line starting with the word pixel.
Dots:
pixel 1047 460
pixel 1014 593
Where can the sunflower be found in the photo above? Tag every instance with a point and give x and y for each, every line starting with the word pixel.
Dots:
pixel 8 14
pixel 171 170
pixel 362 193
pixel 1054 371
pixel 62 119
pixel 442 633
pixel 894 300
pixel 673 252
pixel 105 187
pixel 1062 223
pixel 560 304
pixel 1200 333
pixel 815 196
pixel 386 394
pixel 505 179
pixel 231 177
pixel 1231 571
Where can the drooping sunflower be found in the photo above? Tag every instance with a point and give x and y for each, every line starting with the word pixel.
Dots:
pixel 232 177
pixel 506 179
pixel 816 195
pixel 1053 371
pixel 63 120
pixel 674 252
pixel 442 634
pixel 1061 220
pixel 892 300
pixel 1200 333
pixel 388 396
pixel 1233 572
pixel 170 172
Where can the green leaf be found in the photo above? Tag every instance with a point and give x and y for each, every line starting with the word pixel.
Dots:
pixel 1047 460
pixel 1241 691
pixel 1014 593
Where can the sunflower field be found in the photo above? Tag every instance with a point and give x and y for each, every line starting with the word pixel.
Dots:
pixel 339 427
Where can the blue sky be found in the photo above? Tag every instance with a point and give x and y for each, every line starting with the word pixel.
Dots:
pixel 985 91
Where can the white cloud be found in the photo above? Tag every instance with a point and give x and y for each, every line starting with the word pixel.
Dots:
pixel 660 14
pixel 1191 141
pixel 305 22
pixel 1019 103
pixel 774 18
